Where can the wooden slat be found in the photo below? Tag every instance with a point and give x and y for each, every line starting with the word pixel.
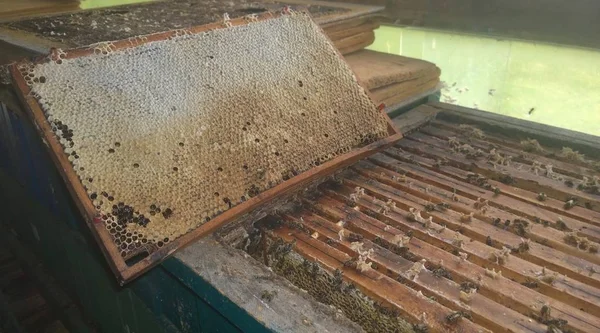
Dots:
pixel 422 172
pixel 369 25
pixel 507 128
pixel 444 131
pixel 502 201
pixel 575 288
pixel 558 261
pixel 439 139
pixel 377 285
pixel 523 179
pixel 446 292
pixel 415 118
pixel 429 246
pixel 552 205
pixel 546 236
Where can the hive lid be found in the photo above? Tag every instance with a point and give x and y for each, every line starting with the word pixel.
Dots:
pixel 166 137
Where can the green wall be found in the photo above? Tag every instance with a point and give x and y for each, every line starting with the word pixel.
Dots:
pixel 562 83
pixel 88 4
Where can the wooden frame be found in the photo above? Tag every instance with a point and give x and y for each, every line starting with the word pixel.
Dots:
pixel 117 263
pixel 553 260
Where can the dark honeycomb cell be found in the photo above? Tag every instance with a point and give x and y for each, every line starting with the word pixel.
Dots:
pixel 166 151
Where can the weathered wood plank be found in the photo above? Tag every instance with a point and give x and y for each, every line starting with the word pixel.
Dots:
pixel 445 291
pixel 406 300
pixel 440 245
pixel 444 131
pixel 458 204
pixel 558 261
pixel 448 172
pixel 519 178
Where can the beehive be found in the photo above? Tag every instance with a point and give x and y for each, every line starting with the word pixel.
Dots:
pixel 504 239
pixel 166 132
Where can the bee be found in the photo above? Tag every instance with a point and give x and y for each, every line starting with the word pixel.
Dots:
pixel 454 317
pixel 545 312
pixel 541 196
pixel 338 279
pixel 268 295
pixel 350 262
pixel 570 204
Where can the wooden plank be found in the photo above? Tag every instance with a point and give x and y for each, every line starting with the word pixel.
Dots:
pixel 575 268
pixel 578 218
pixel 522 179
pixel 355 43
pixel 404 88
pixel 415 118
pixel 521 270
pixel 524 186
pixel 515 125
pixel 420 173
pixel 336 27
pixel 446 292
pixel 440 141
pixel 530 211
pixel 431 245
pixel 379 286
pixel 381 69
pixel 444 131
pixel 461 205
pixel 414 175
pixel 338 34
pixel 11 10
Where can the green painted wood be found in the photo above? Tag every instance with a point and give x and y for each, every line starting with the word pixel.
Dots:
pixel 213 297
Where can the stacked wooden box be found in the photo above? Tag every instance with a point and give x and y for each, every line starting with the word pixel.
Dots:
pixel 352 35
pixel 392 79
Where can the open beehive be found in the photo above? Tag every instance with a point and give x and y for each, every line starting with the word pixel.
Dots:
pixel 459 227
pixel 165 137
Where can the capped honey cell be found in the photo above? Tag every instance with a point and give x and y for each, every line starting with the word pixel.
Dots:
pixel 162 154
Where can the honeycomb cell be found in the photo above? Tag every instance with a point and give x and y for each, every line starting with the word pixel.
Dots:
pixel 180 130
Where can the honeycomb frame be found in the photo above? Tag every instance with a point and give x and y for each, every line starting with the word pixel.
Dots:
pixel 130 262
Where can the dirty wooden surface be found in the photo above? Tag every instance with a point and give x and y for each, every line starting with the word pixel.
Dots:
pixel 244 281
pixel 114 23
